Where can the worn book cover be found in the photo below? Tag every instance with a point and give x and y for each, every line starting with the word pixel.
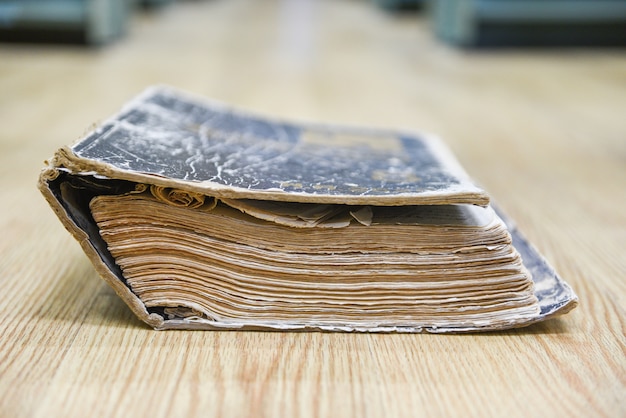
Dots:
pixel 201 216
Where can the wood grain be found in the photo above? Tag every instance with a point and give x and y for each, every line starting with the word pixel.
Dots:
pixel 542 130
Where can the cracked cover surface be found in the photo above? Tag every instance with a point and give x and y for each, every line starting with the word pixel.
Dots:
pixel 164 134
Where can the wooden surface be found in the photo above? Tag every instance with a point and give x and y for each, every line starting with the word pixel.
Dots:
pixel 544 131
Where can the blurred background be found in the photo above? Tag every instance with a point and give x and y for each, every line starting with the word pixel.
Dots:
pixel 461 22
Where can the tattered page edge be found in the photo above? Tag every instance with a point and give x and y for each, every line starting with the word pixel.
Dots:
pixel 554 295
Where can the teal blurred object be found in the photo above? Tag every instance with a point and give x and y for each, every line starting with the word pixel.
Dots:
pixel 153 3
pixel 76 21
pixel 530 22
pixel 400 4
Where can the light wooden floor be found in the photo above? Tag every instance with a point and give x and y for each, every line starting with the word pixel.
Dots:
pixel 544 131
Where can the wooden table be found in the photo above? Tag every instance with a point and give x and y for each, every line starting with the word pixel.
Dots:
pixel 544 131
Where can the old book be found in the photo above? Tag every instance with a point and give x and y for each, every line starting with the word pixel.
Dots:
pixel 205 217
